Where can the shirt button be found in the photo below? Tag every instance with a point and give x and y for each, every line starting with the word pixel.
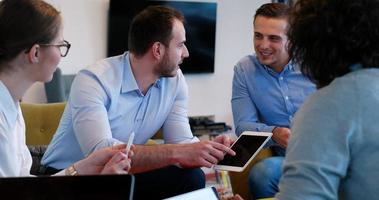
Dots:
pixel 281 78
pixel 286 97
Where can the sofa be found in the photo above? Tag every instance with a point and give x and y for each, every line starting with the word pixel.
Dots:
pixel 42 120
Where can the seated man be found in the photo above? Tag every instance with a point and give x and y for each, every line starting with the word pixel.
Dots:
pixel 268 88
pixel 139 91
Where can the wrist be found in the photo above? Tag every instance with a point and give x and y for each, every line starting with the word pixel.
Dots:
pixel 174 154
pixel 274 129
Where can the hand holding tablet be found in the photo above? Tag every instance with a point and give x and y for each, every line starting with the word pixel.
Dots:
pixel 247 146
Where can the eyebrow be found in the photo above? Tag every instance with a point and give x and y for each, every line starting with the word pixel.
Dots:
pixel 182 42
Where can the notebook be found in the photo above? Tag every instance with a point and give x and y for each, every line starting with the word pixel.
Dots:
pixel 110 187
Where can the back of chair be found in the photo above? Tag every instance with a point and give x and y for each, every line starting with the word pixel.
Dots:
pixel 58 89
pixel 41 121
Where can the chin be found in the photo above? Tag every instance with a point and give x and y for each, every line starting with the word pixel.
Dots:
pixel 47 79
pixel 265 61
pixel 172 74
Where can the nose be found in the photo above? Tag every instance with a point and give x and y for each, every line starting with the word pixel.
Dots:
pixel 185 53
pixel 263 43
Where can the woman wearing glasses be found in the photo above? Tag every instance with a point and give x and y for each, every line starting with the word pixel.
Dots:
pixel 31 46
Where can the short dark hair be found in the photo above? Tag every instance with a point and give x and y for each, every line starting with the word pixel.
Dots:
pixel 153 24
pixel 328 36
pixel 273 10
pixel 24 23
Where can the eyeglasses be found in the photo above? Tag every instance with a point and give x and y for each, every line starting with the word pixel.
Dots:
pixel 63 48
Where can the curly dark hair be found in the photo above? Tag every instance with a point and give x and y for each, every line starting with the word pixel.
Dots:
pixel 328 36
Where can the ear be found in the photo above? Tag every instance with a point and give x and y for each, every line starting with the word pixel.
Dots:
pixel 34 54
pixel 158 50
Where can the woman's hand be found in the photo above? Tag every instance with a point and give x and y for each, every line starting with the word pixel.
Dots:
pixel 111 160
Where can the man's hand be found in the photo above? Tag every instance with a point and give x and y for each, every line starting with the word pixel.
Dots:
pixel 224 139
pixel 281 136
pixel 190 155
pixel 235 197
pixel 203 154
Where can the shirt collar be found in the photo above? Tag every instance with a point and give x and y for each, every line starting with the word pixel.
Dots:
pixel 9 107
pixel 129 82
pixel 290 67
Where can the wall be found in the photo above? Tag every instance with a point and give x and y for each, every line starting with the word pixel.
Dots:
pixel 85 25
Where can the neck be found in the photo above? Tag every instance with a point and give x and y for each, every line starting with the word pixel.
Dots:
pixel 143 71
pixel 279 68
pixel 16 81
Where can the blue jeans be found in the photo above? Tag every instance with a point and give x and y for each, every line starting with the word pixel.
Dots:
pixel 264 177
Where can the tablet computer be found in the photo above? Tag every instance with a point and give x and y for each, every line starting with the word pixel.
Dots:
pixel 209 193
pixel 247 146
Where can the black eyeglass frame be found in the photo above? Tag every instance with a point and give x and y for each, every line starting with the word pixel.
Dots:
pixel 65 44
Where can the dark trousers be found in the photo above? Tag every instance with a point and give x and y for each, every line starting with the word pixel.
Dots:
pixel 278 150
pixel 167 182
pixel 162 183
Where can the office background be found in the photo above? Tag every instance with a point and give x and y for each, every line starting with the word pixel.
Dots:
pixel 85 26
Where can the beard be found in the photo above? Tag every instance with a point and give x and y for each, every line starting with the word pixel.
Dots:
pixel 167 68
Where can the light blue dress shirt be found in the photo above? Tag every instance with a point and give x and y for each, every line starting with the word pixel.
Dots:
pixel 106 105
pixel 263 99
pixel 333 152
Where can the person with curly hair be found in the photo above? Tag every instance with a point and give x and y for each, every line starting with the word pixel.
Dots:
pixel 333 150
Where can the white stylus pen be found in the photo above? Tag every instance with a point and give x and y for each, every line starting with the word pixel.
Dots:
pixel 130 142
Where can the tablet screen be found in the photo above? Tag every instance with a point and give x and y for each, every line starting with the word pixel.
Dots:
pixel 245 147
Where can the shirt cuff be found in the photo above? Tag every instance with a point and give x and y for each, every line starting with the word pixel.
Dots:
pixel 268 129
pixel 189 140
pixel 60 173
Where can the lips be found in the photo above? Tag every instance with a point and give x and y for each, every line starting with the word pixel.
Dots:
pixel 265 53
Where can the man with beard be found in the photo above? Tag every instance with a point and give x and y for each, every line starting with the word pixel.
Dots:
pixel 140 91
pixel 268 88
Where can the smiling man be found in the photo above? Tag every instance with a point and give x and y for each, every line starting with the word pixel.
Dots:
pixel 141 91
pixel 268 88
